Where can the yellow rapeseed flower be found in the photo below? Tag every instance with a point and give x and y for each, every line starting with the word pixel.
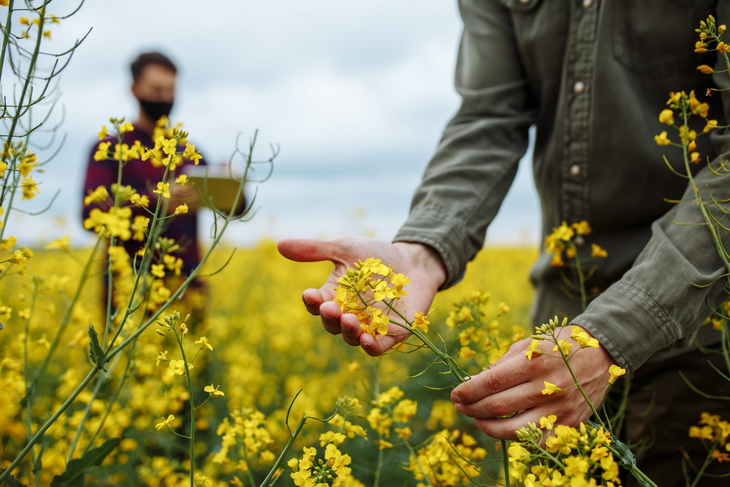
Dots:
pixel 615 372
pixel 662 138
pixel 598 251
pixel 163 189
pixel 203 342
pixel 547 422
pixel 161 357
pixel 705 69
pixel 158 270
pixel 165 422
pixel 711 125
pixel 667 116
pixel 213 391
pixel 420 322
pixel 181 209
pixel 102 151
pixel 139 200
pixel 533 349
pixel 582 338
pixel 550 388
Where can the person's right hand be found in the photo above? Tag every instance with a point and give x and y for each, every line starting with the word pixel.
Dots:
pixel 420 263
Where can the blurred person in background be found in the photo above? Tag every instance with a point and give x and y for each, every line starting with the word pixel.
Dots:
pixel 154 77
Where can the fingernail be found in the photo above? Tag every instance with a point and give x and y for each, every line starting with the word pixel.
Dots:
pixel 455 397
pixel 459 407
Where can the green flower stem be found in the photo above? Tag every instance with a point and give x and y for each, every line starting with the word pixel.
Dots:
pixel 705 464
pixel 249 474
pixel 505 462
pixel 420 467
pixel 22 106
pixel 379 466
pixel 6 36
pixel 284 452
pixel 189 380
pixel 112 401
pixel 101 380
pixel 447 359
pixel 155 228
pixel 26 369
pixel 576 382
pixel 581 279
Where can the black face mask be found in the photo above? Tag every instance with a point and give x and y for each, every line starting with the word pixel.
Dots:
pixel 156 109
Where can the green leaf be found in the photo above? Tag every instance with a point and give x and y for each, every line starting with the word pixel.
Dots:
pixel 11 481
pixel 78 467
pixel 96 353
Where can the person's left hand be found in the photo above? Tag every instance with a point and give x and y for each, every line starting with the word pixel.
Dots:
pixel 514 383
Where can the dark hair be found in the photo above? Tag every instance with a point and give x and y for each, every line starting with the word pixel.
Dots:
pixel 147 58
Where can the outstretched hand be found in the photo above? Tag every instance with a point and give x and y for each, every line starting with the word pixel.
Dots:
pixel 420 263
pixel 514 384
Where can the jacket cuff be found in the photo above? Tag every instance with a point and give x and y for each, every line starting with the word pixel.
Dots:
pixel 431 225
pixel 608 318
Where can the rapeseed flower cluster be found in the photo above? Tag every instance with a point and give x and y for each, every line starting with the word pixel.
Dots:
pixel 390 417
pixel 331 469
pixel 245 442
pixel 480 338
pixel 713 431
pixel 564 240
pixel 370 282
pixel 552 455
pixel 450 458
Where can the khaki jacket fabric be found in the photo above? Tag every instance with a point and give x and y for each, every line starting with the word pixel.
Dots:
pixel 591 76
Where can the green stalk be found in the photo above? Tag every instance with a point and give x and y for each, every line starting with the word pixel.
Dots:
pixel 16 117
pixel 284 452
pixel 87 410
pixel 6 36
pixel 581 279
pixel 505 462
pixel 26 369
pixel 705 464
pixel 189 380
pixel 379 466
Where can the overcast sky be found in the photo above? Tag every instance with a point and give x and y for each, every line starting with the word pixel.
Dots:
pixel 355 94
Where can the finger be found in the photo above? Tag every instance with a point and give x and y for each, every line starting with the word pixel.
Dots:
pixel 505 428
pixel 312 299
pixel 351 329
pixel 307 249
pixel 508 374
pixel 519 398
pixel 330 313
pixel 375 346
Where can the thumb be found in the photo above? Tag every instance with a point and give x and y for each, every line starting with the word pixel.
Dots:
pixel 307 249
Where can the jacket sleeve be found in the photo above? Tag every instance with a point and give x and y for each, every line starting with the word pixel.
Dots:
pixel 679 275
pixel 477 157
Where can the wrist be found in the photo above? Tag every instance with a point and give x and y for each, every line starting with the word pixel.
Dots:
pixel 426 258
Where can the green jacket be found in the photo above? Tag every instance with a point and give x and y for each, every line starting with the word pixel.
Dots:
pixel 592 77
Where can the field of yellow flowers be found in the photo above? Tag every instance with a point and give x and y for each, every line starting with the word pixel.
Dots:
pixel 253 348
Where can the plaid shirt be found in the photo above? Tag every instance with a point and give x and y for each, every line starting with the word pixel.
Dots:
pixel 143 176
